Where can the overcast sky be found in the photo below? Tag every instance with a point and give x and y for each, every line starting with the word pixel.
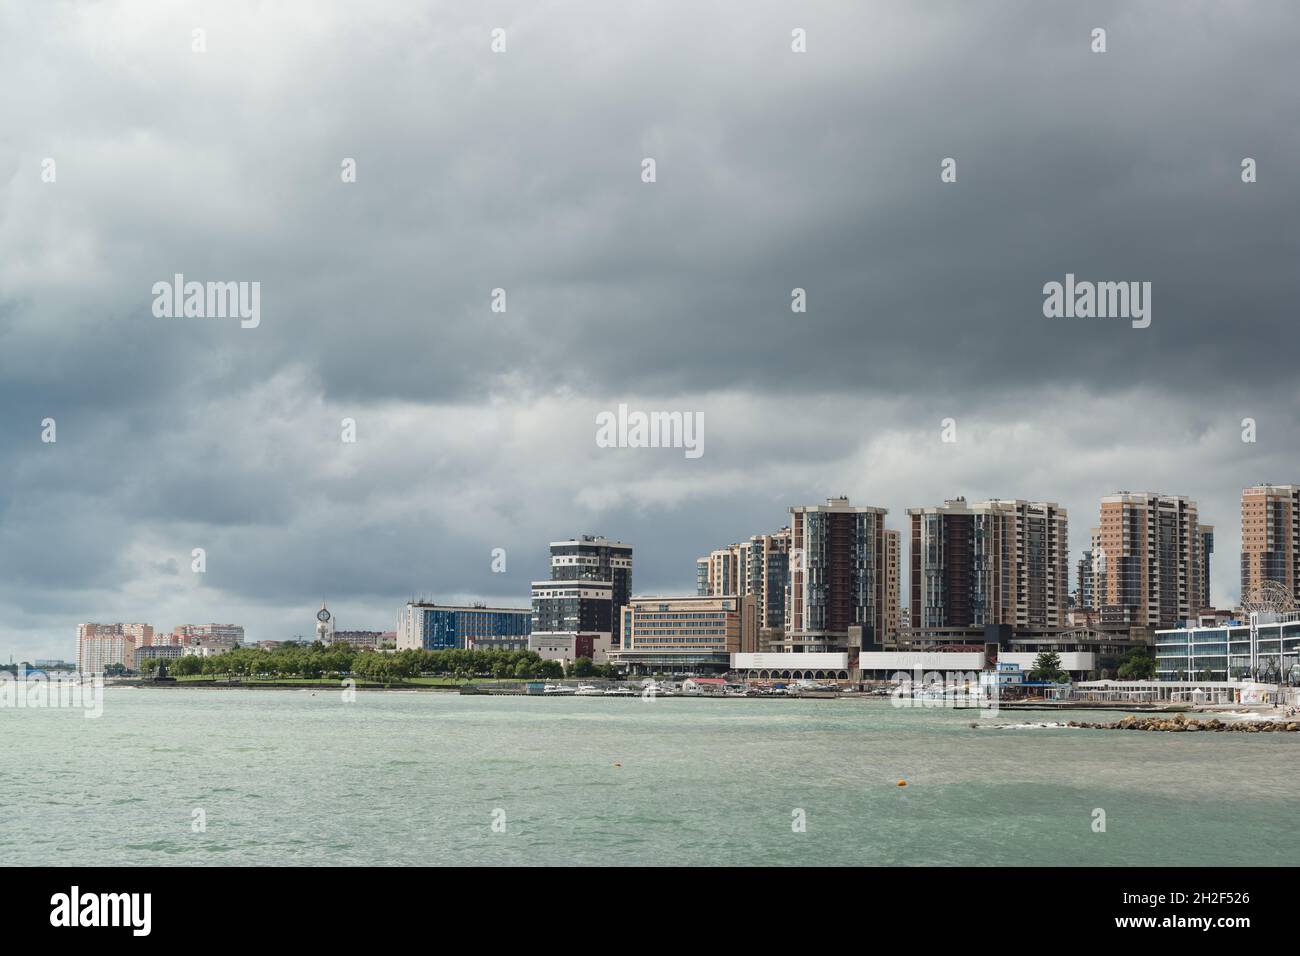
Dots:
pixel 522 170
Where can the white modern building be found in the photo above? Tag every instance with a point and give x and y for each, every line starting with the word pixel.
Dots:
pixel 882 665
pixel 1264 648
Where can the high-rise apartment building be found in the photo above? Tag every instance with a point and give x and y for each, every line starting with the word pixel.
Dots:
pixel 1270 538
pixel 593 558
pixel 1087 592
pixel 1206 534
pixel 1147 561
pixel 102 645
pixel 759 567
pixel 838 577
pixel 989 563
pixel 893 568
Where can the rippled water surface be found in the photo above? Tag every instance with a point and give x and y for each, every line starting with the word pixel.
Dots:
pixel 300 777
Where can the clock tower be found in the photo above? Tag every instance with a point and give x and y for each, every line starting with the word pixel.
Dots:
pixel 324 625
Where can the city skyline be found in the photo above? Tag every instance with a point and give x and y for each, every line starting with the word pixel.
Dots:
pixel 477 429
pixel 1066 563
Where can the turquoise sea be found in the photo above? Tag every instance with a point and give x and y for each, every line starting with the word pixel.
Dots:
pixel 300 777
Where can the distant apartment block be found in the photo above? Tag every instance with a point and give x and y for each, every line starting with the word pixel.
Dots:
pixel 892 587
pixel 226 635
pixel 990 563
pixel 685 634
pixel 1270 538
pixel 366 640
pixel 1206 534
pixel 439 627
pixel 837 599
pixel 759 567
pixel 1147 561
pixel 102 645
pixel 160 651
pixel 1087 592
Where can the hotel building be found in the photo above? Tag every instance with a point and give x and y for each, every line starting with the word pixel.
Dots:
pixel 685 634
pixel 1148 563
pixel 837 598
pixel 989 564
pixel 1270 538
pixel 440 627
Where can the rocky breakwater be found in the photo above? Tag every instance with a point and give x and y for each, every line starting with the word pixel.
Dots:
pixel 1180 724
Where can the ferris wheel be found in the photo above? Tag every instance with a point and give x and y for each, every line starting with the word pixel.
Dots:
pixel 1271 596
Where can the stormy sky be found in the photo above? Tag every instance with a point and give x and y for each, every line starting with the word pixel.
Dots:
pixel 522 170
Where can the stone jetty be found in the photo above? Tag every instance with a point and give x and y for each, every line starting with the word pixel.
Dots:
pixel 1180 724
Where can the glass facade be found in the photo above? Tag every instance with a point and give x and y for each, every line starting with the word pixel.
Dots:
pixel 1225 653
pixel 457 628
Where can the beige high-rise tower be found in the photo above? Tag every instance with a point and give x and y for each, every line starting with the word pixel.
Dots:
pixel 1270 537
pixel 1147 560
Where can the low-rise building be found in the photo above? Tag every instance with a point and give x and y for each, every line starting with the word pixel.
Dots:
pixel 1264 648
pixel 439 627
pixel 572 619
pixel 683 635
pixel 366 640
pixel 159 651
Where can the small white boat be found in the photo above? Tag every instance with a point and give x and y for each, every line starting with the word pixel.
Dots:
pixel 557 690
pixel 588 690
pixel 620 692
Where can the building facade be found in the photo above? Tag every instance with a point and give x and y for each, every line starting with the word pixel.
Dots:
pixel 439 627
pixel 992 563
pixel 1206 534
pixel 678 635
pixel 759 567
pixel 103 645
pixel 1266 648
pixel 1147 561
pixel 838 575
pixel 366 640
pixel 572 619
pixel 167 652
pixel 593 558
pixel 229 635
pixel 1270 538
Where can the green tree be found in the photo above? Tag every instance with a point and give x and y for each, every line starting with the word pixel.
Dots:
pixel 1047 666
pixel 583 667
pixel 1137 664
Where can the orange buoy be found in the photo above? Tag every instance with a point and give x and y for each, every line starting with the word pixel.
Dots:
pixel 902 783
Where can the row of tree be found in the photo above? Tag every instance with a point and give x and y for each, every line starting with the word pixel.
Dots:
pixel 1138 664
pixel 343 660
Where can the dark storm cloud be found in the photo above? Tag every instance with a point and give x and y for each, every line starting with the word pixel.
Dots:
pixel 521 171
